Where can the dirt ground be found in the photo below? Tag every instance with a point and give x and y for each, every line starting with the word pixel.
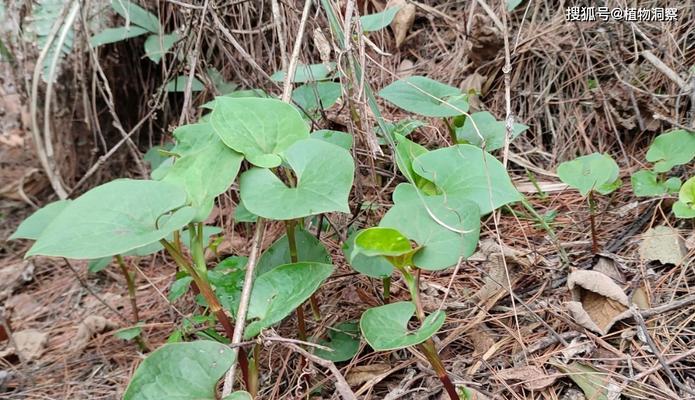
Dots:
pixel 509 333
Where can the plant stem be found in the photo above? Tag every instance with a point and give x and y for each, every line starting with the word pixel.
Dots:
pixel 211 299
pixel 386 282
pixel 452 131
pixel 431 353
pixel 252 386
pixel 428 346
pixel 592 211
pixel 142 343
pixel 131 287
pixel 294 257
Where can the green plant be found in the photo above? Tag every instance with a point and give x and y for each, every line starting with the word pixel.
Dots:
pixel 594 173
pixel 439 210
pixel 685 206
pixel 666 151
pixel 157 43
pixel 129 217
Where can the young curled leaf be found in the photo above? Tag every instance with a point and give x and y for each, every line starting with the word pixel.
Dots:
pixel 386 242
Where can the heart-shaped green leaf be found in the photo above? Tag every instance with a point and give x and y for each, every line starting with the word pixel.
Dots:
pixel 34 225
pixel 375 267
pixel 596 171
pixel 279 291
pixel 426 96
pixel 259 128
pixel 114 218
pixel 184 371
pixel 307 73
pixel 206 167
pixel 446 227
pixel 646 183
pixel 386 327
pixel 483 130
pixel 324 175
pixel 685 206
pixel 467 172
pixel 308 249
pixel 313 97
pixel 137 15
pixel 337 138
pixel 114 35
pixel 156 46
pixel 671 149
pixel 343 339
pixel 378 21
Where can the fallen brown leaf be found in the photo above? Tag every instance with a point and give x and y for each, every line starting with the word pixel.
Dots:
pixel 89 327
pixel 597 301
pixel 662 244
pixel 403 20
pixel 364 373
pixel 28 344
pixel 531 377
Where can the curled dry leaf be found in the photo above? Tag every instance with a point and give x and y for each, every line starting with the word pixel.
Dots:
pixel 597 301
pixel 531 377
pixel 364 373
pixel 89 327
pixel 322 45
pixel 403 20
pixel 609 267
pixel 662 244
pixel 13 276
pixel 28 345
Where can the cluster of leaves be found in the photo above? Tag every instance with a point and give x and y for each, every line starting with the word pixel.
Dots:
pixel 138 22
pixel 599 172
pixel 438 209
pixel 666 152
pixel 292 174
pixel 138 217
